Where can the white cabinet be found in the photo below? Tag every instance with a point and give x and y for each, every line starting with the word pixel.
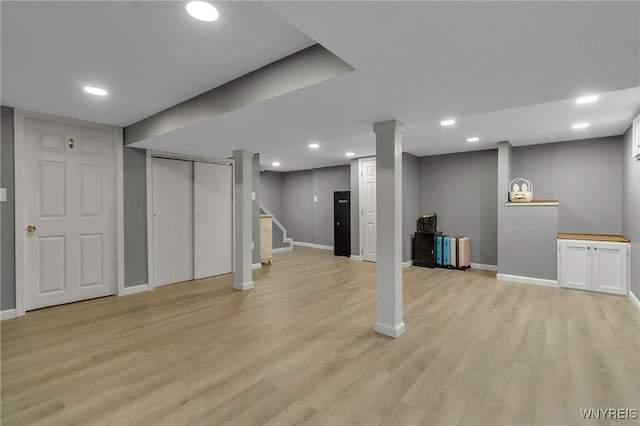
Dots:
pixel 593 265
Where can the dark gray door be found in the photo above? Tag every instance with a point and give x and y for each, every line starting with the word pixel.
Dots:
pixel 342 223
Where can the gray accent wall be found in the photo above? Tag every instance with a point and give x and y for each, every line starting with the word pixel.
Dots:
pixel 529 242
pixel 631 208
pixel 410 202
pixel 326 181
pixel 461 189
pixel 134 167
pixel 298 205
pixel 308 221
pixel 7 212
pixel 584 175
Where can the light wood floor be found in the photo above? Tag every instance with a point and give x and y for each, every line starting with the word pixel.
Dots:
pixel 300 349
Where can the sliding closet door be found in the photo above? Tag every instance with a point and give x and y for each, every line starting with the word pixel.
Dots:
pixel 213 219
pixel 172 220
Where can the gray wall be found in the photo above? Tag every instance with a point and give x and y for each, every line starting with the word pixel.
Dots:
pixel 255 208
pixel 305 220
pixel 529 250
pixel 298 205
pixel 325 182
pixel 135 216
pixel 584 175
pixel 631 209
pixel 271 184
pixel 7 213
pixel 410 201
pixel 461 189
pixel 355 208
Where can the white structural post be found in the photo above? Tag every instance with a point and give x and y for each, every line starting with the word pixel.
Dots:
pixel 389 227
pixel 243 279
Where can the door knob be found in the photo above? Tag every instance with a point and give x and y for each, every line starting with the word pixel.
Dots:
pixel 31 228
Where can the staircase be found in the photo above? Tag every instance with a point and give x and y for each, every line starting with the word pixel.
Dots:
pixel 280 240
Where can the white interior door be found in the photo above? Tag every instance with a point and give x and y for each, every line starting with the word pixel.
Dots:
pixel 368 209
pixel 172 214
pixel 609 267
pixel 68 204
pixel 575 269
pixel 213 223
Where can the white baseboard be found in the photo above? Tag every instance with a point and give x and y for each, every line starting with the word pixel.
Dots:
pixel 407 264
pixel 312 245
pixel 256 266
pixel 282 249
pixel 389 330
pixel 135 289
pixel 484 267
pixel 8 314
pixel 633 297
pixel 356 257
pixel 243 286
pixel 527 280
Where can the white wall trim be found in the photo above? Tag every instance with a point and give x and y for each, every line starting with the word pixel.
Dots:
pixel 282 249
pixel 484 267
pixel 407 264
pixel 389 330
pixel 526 280
pixel 244 286
pixel 135 289
pixel 356 257
pixel 8 314
pixel 634 300
pixel 312 245
pixel 18 128
pixel 256 266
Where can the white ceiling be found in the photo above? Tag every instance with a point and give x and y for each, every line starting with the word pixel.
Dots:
pixel 149 55
pixel 504 70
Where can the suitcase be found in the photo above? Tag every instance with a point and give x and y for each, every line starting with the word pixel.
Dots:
pixel 423 249
pixel 439 250
pixel 446 251
pixel 453 257
pixel 464 253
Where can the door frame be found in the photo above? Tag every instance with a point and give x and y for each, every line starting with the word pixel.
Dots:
pixel 150 231
pixel 361 197
pixel 19 117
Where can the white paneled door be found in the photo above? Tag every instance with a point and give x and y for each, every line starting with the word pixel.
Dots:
pixel 213 222
pixel 68 213
pixel 172 216
pixel 368 208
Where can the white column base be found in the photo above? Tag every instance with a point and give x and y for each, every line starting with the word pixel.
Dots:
pixel 389 330
pixel 243 286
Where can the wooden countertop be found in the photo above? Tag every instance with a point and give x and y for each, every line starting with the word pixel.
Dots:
pixel 533 203
pixel 614 238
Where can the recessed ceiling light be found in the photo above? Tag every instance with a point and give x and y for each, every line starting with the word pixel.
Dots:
pixel 95 91
pixel 448 122
pixel 275 164
pixel 349 154
pixel 473 139
pixel 578 126
pixel 202 11
pixel 586 99
pixel 314 145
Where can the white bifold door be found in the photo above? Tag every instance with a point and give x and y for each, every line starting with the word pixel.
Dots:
pixel 192 220
pixel 68 216
pixel 368 213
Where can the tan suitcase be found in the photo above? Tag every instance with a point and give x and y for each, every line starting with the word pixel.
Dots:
pixel 464 253
pixel 453 257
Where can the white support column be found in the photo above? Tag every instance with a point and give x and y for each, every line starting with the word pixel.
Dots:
pixel 389 227
pixel 243 279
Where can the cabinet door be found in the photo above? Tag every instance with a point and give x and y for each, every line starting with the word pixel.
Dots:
pixel 609 268
pixel 575 265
